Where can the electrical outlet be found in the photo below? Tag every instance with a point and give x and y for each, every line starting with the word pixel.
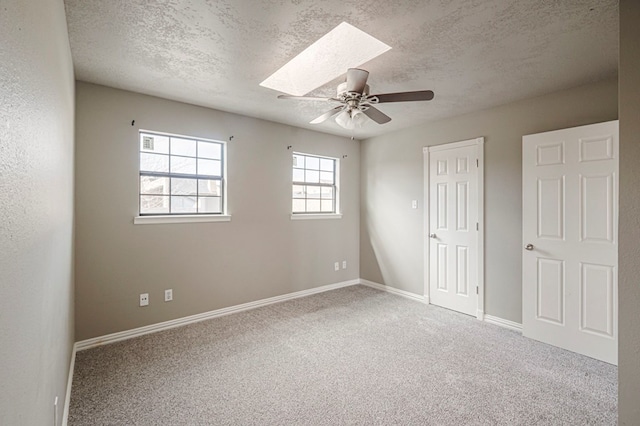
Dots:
pixel 414 204
pixel 336 266
pixel 168 295
pixel 344 264
pixel 144 299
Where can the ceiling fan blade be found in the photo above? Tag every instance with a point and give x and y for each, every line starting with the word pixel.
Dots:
pixel 327 115
pixel 377 115
pixel 307 98
pixel 422 95
pixel 356 80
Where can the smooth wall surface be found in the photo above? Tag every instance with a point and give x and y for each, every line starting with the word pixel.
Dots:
pixel 36 211
pixel 259 254
pixel 629 245
pixel 391 232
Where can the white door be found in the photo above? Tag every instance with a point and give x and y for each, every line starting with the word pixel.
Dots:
pixel 570 253
pixel 454 271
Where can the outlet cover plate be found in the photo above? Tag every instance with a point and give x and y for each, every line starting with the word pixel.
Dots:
pixel 168 295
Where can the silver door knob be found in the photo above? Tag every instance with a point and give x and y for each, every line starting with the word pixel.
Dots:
pixel 432 235
pixel 529 247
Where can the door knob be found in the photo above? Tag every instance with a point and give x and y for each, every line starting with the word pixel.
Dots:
pixel 529 247
pixel 432 235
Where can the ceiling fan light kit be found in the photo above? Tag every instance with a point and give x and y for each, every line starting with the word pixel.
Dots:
pixel 357 105
pixel 351 119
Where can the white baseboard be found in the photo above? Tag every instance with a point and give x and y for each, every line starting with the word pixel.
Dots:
pixel 503 323
pixel 403 293
pixel 166 325
pixel 67 397
pixel 153 328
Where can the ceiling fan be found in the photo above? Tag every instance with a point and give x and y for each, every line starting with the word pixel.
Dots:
pixel 356 102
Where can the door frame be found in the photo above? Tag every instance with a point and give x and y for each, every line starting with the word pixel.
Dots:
pixel 479 143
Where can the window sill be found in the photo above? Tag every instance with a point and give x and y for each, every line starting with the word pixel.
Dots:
pixel 152 220
pixel 304 216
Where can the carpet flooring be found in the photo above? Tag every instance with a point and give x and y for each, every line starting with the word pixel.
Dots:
pixel 353 356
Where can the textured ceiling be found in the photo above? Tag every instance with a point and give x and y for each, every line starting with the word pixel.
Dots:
pixel 473 54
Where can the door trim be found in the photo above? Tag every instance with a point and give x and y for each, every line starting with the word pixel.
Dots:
pixel 479 143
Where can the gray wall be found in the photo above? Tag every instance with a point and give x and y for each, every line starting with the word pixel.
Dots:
pixel 391 233
pixel 629 245
pixel 261 253
pixel 36 210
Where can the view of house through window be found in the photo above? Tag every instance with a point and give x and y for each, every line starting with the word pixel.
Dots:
pixel 314 184
pixel 180 175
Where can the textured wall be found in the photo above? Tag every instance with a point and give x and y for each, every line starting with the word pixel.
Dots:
pixel 629 248
pixel 259 254
pixel 36 210
pixel 391 235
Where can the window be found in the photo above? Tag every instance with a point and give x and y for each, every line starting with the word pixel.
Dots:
pixel 314 184
pixel 181 175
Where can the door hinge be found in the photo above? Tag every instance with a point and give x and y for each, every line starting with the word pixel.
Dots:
pixel 476 289
pixel 477 226
pixel 477 162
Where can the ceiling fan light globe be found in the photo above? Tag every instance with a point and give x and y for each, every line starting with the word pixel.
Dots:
pixel 344 120
pixel 358 118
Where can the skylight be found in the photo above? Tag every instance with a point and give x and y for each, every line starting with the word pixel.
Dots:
pixel 329 57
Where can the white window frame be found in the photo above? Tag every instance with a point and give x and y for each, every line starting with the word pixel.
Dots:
pixel 144 219
pixel 336 214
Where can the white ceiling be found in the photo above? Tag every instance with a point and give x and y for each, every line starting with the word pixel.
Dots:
pixel 473 54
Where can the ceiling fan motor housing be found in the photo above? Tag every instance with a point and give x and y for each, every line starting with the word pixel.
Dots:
pixel 342 91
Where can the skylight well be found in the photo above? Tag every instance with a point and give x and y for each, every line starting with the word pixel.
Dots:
pixel 329 57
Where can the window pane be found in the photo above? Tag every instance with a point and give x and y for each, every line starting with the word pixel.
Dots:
pixel 209 150
pixel 209 187
pixel 181 204
pixel 298 175
pixel 183 165
pixel 209 205
pixel 312 176
pixel 327 206
pixel 154 185
pixel 327 192
pixel 313 205
pixel 183 147
pixel 183 186
pixel 326 177
pixel 209 167
pixel 312 163
pixel 154 162
pixel 298 206
pixel 298 161
pixel 154 204
pixel 313 191
pixel 154 143
pixel 326 165
pixel 298 191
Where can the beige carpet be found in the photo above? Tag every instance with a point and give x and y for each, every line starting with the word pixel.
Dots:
pixel 354 356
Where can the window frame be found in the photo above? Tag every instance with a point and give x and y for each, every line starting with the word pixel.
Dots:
pixel 335 214
pixel 181 217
